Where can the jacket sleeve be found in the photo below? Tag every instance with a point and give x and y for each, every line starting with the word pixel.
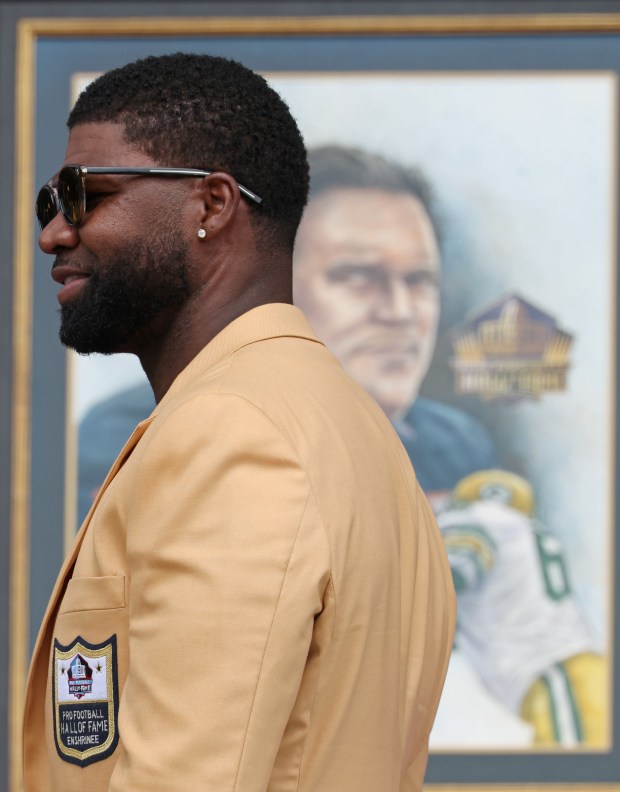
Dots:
pixel 228 565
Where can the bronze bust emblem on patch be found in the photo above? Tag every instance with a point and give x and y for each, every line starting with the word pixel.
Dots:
pixel 85 700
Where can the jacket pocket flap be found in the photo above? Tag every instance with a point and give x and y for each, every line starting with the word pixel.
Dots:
pixel 94 593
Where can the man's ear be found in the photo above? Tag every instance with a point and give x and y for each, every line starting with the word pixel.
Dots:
pixel 220 198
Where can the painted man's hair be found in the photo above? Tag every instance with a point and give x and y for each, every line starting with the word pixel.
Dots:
pixel 340 167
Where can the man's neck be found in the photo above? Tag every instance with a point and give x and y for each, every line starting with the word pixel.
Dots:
pixel 164 356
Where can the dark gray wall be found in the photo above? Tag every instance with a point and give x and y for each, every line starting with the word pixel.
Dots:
pixel 6 316
pixel 48 506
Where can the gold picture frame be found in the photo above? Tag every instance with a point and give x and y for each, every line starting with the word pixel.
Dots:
pixel 31 32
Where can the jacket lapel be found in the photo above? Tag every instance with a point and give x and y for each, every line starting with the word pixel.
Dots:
pixel 44 638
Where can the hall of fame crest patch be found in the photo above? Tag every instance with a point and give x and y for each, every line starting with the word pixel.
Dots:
pixel 85 700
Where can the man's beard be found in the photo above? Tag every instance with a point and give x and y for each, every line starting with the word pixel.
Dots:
pixel 125 293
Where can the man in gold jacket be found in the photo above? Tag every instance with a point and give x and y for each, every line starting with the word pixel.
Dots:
pixel 259 597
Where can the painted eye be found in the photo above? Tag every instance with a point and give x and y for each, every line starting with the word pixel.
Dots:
pixel 422 279
pixel 355 274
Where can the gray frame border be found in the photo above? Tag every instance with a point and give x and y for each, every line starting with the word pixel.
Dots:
pixel 15 319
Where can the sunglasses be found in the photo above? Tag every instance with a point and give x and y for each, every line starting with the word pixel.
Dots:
pixel 69 195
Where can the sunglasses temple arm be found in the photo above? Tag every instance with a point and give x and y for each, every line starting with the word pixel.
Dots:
pixel 249 194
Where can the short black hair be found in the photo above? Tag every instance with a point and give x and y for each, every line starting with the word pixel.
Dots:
pixel 334 166
pixel 203 111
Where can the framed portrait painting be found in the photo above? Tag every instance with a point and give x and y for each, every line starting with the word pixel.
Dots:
pixel 510 124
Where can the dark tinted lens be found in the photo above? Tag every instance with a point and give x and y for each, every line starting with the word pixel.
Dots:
pixel 46 206
pixel 71 194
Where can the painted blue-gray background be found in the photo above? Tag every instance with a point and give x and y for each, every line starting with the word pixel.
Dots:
pixel 57 59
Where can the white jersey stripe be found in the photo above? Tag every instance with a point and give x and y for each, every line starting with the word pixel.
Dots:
pixel 561 703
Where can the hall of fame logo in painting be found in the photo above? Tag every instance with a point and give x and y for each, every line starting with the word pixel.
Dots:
pixel 510 350
pixel 85 700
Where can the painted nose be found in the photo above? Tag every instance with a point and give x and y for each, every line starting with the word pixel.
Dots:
pixel 396 303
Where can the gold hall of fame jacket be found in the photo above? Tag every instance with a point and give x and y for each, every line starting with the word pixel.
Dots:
pixel 259 598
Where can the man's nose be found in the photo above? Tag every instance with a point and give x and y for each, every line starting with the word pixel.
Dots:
pixel 397 303
pixel 58 234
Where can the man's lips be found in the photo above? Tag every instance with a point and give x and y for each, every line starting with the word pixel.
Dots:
pixel 72 280
pixel 62 273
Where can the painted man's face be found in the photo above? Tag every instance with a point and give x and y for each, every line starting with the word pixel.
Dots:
pixel 366 275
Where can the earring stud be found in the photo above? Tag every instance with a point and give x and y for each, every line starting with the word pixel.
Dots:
pixel 201 233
